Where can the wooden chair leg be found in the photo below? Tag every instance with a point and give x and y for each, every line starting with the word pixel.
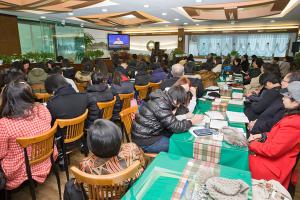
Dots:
pixel 57 176
pixel 29 175
pixel 66 168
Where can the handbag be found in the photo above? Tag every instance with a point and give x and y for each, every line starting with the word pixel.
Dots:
pixel 74 191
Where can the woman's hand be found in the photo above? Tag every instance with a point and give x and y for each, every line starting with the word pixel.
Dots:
pixel 251 125
pixel 189 115
pixel 197 119
pixel 254 137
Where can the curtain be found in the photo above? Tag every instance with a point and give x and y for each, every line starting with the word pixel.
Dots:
pixel 264 44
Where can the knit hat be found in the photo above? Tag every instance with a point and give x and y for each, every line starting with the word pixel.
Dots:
pixel 292 91
pixel 227 189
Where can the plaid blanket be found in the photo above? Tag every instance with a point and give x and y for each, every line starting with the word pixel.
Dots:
pixel 196 171
pixel 207 149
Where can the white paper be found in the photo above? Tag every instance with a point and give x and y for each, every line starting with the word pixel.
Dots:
pixel 212 88
pixel 218 124
pixel 236 102
pixel 237 117
pixel 214 115
pixel 236 95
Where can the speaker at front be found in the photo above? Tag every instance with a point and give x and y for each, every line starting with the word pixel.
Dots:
pixel 156 46
pixel 295 47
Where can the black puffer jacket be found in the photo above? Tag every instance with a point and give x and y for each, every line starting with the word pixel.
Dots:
pixel 142 78
pixel 97 93
pixel 155 118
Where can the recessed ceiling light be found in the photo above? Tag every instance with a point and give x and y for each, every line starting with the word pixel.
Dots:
pixel 198 1
pixel 272 21
pixel 104 10
pixel 176 19
pixel 197 24
pixel 70 13
pixel 43 17
pixel 164 14
pixel 185 23
pixel 146 6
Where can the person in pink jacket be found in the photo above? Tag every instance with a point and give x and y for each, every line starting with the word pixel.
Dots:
pixel 274 154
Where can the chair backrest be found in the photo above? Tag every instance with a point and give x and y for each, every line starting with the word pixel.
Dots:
pixel 107 107
pixel 38 88
pixel 126 98
pixel 41 146
pixel 106 186
pixel 81 86
pixel 74 127
pixel 155 86
pixel 142 90
pixel 42 96
pixel 126 118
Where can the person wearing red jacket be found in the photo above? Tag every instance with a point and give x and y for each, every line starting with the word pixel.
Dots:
pixel 274 154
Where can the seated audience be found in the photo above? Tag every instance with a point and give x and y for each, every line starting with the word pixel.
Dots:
pixel 122 68
pixel 21 117
pixel 26 66
pixel 37 76
pixel 132 65
pixel 285 66
pixel 274 154
pixel 142 77
pixel 49 66
pixel 253 77
pixel 68 70
pixel 65 102
pixel 119 86
pixel 218 65
pixel 58 70
pixel 245 64
pixel 177 72
pixel 158 73
pixel 59 59
pixel 85 74
pixel 156 121
pixel 97 91
pixel 237 68
pixel 189 67
pixel 14 74
pixel 270 93
pixel 109 155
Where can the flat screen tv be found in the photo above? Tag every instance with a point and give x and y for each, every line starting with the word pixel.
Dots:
pixel 118 41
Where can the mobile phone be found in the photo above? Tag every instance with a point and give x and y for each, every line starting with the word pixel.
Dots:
pixel 203 132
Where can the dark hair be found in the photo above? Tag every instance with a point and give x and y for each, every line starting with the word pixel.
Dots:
pixel 14 75
pixel 59 58
pixel 271 68
pixel 17 100
pixel 270 77
pixel 17 65
pixel 50 62
pixel 156 65
pixel 245 56
pixel 134 56
pixel 117 78
pixel 65 63
pixel 101 66
pixel 86 65
pixel 104 138
pixel 254 57
pixel 238 60
pixel 218 60
pixel 25 62
pixel 97 78
pixel 259 62
pixel 178 94
pixel 56 70
pixel 294 76
pixel 190 57
pixel 276 58
pixel 182 81
pixel 54 82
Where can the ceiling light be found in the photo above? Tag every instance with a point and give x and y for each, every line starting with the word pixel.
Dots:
pixel 146 6
pixel 43 17
pixel 70 13
pixel 104 10
pixel 272 21
pixel 198 1
pixel 197 24
pixel 176 19
pixel 185 23
pixel 164 14
pixel 129 16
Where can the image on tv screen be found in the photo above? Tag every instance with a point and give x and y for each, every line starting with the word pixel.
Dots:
pixel 118 41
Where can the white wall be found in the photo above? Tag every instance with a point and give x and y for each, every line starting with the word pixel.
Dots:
pixel 138 43
pixel 100 36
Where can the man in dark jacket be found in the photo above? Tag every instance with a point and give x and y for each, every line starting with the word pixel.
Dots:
pixel 158 73
pixel 156 120
pixel 98 91
pixel 177 72
pixel 270 93
pixel 122 68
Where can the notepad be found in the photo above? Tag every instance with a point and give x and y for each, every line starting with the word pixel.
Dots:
pixel 237 117
pixel 218 124
pixel 214 115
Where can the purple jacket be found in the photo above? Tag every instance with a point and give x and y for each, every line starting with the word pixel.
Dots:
pixel 158 75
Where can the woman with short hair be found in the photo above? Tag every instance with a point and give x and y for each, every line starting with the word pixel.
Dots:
pixel 21 117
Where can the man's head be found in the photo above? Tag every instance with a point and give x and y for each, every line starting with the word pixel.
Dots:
pixel 177 70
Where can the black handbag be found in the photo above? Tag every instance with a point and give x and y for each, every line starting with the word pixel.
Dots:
pixel 74 191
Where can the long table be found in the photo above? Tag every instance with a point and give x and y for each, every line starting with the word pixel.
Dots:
pixel 183 143
pixel 160 179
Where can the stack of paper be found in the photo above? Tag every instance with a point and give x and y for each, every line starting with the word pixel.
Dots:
pixel 218 124
pixel 236 102
pixel 237 117
pixel 214 115
pixel 237 95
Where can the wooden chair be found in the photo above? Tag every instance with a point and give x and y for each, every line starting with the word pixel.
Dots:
pixel 38 88
pixel 126 98
pixel 155 86
pixel 81 86
pixel 142 90
pixel 74 132
pixel 100 187
pixel 108 108
pixel 126 119
pixel 42 148
pixel 44 97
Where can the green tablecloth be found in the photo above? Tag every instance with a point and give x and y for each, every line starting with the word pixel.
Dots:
pixel 160 179
pixel 183 144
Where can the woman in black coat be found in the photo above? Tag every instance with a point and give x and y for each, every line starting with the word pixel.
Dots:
pixel 98 91
pixel 156 120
